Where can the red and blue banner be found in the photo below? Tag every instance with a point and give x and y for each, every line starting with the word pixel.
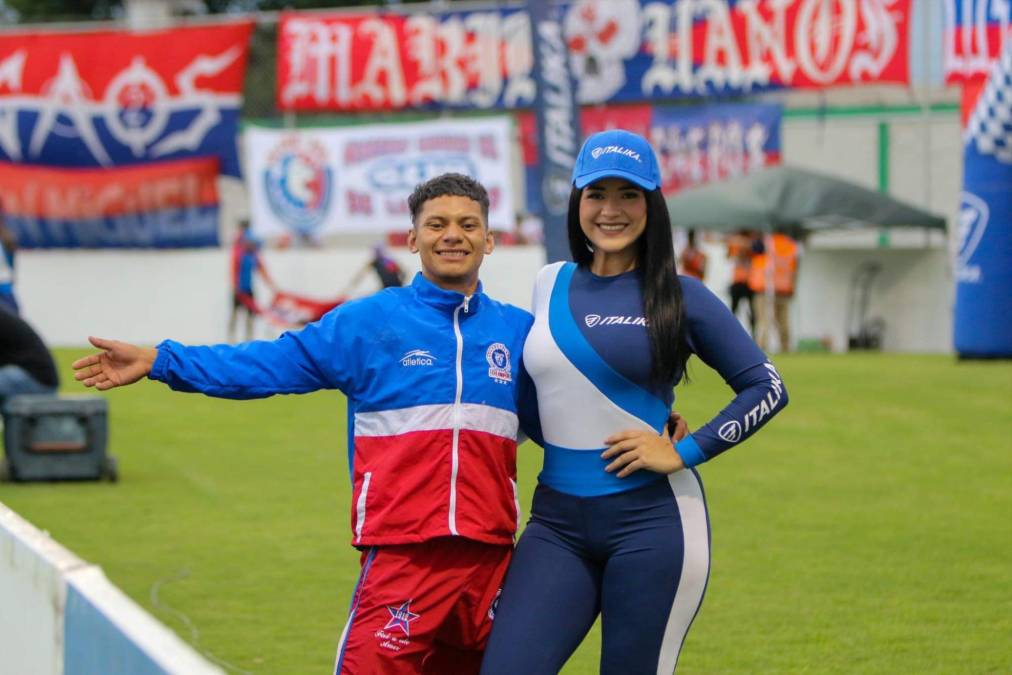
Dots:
pixel 621 51
pixel 694 144
pixel 983 310
pixel 170 204
pixel 115 98
pixel 975 32
pixel 392 61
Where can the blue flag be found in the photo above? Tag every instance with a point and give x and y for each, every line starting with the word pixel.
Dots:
pixel 983 314
pixel 558 123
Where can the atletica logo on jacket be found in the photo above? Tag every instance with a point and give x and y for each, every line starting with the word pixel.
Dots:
pixel 417 357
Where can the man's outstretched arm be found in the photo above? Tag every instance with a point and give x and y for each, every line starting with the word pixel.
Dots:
pixel 117 365
pixel 319 356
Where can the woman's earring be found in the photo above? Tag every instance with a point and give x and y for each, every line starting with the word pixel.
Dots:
pixel 586 242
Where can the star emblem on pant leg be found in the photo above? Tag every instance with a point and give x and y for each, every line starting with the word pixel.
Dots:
pixel 401 617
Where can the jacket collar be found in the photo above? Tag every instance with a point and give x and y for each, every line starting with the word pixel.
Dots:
pixel 433 295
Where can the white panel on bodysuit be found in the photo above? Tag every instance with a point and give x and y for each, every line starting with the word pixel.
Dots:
pixel 575 414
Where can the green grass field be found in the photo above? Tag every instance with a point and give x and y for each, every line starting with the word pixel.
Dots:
pixel 868 529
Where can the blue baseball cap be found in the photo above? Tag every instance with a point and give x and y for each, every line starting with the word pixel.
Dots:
pixel 617 153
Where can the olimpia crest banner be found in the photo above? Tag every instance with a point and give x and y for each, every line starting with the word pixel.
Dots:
pixel 112 98
pixel 620 51
pixel 983 313
pixel 356 179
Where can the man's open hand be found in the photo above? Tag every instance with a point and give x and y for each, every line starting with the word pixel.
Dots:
pixel 117 365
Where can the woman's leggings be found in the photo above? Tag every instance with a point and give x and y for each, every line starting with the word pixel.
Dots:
pixel 639 558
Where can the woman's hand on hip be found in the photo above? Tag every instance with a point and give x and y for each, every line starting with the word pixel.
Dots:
pixel 634 450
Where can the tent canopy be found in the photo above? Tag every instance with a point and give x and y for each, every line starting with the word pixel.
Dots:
pixel 797 200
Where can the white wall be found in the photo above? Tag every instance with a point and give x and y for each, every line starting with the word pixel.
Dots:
pixel 145 296
pixel 925 154
pixel 926 161
pixel 913 293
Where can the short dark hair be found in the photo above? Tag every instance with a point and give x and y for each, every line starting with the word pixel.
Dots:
pixel 452 184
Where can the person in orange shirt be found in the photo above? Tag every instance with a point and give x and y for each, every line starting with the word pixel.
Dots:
pixel 693 260
pixel 773 275
pixel 740 252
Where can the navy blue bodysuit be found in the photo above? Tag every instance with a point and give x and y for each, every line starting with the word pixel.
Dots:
pixel 635 549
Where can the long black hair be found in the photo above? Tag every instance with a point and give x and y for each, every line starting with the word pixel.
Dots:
pixel 662 292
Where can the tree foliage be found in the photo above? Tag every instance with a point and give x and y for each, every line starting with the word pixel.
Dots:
pixel 34 11
pixel 221 6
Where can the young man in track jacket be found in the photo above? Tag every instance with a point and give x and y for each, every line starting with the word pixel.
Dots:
pixel 431 372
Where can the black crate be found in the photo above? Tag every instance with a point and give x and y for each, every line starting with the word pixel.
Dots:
pixel 56 438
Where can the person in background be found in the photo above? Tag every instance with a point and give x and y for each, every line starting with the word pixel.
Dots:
pixel 8 245
pixel 693 260
pixel 244 264
pixel 26 366
pixel 529 229
pixel 740 252
pixel 772 279
pixel 387 270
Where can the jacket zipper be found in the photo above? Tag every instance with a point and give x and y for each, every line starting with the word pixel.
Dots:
pixel 360 506
pixel 455 462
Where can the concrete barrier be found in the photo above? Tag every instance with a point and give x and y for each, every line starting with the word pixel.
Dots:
pixel 59 615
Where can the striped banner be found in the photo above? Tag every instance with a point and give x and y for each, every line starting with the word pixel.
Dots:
pixel 161 205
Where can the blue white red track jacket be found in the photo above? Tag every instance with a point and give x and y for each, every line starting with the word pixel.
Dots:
pixel 431 380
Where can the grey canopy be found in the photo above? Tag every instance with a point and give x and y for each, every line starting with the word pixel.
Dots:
pixel 796 200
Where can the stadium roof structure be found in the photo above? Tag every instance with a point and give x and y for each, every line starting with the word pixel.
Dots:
pixel 793 199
